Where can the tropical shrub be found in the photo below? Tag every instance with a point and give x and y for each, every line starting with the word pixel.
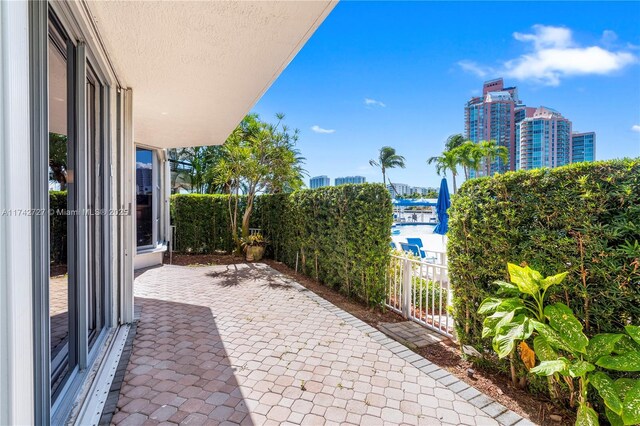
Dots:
pixel 582 218
pixel 562 348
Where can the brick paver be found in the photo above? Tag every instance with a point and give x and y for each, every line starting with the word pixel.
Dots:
pixel 243 344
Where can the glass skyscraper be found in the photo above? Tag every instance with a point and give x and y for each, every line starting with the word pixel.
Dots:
pixel 319 181
pixel 583 147
pixel 349 179
pixel 534 137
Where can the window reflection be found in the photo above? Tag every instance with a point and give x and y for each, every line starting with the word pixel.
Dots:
pixel 144 197
pixel 59 180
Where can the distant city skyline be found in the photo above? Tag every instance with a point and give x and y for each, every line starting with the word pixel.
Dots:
pixel 380 73
pixel 534 137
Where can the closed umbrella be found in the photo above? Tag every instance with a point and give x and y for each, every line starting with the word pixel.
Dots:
pixel 443 204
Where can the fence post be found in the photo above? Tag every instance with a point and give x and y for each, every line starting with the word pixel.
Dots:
pixel 406 287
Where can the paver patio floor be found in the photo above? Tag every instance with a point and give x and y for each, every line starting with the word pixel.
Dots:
pixel 243 344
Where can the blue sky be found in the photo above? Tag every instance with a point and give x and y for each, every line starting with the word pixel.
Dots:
pixel 399 73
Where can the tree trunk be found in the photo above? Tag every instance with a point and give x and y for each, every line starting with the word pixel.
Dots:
pixel 247 217
pixel 453 176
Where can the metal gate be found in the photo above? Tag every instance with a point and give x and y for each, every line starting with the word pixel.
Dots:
pixel 420 291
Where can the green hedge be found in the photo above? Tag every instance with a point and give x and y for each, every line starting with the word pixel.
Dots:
pixel 338 235
pixel 202 222
pixel 58 228
pixel 584 218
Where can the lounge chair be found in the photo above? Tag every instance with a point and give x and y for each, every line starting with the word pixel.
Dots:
pixel 412 248
pixel 423 254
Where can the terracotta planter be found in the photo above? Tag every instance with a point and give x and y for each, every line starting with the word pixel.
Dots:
pixel 254 253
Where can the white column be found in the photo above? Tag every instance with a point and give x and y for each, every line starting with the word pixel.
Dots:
pixel 129 234
pixel 16 298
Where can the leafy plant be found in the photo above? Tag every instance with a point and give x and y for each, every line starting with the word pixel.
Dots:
pixel 564 351
pixel 577 359
pixel 511 316
pixel 254 240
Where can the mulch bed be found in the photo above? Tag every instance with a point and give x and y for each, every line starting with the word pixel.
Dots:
pixel 538 409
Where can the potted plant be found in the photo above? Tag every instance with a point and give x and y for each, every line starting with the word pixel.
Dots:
pixel 253 247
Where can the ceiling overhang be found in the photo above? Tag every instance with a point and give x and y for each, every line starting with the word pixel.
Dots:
pixel 196 68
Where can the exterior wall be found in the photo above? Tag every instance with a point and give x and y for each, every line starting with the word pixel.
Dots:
pixel 16 281
pixel 319 181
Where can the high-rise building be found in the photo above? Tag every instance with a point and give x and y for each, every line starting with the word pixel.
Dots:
pixel 319 181
pixel 544 140
pixel 534 137
pixel 492 117
pixel 583 147
pixel 349 179
pixel 399 189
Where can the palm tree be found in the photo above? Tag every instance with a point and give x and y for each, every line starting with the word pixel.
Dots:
pixel 447 161
pixel 454 141
pixel 388 159
pixel 491 150
pixel 468 156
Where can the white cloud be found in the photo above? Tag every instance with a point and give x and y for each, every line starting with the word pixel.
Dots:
pixel 474 68
pixel 373 102
pixel 636 128
pixel 555 55
pixel 319 129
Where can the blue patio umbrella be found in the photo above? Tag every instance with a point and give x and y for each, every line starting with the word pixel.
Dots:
pixel 442 206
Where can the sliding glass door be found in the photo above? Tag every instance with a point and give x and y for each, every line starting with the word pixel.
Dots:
pixel 62 142
pixel 79 205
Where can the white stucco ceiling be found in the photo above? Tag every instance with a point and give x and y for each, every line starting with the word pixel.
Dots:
pixel 196 68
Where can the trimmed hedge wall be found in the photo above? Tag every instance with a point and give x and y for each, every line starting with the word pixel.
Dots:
pixel 340 234
pixel 202 222
pixel 584 218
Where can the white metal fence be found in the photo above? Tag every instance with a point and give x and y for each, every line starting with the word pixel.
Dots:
pixel 420 291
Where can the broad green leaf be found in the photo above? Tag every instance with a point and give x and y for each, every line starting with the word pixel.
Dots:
pixel 579 368
pixel 490 322
pixel 550 336
pixel 506 288
pixel 623 386
pixel 586 416
pixel 601 344
pixel 631 410
pixel 549 368
pixel 504 321
pixel 543 349
pixel 489 305
pixel 634 332
pixel 607 390
pixel 505 340
pixel 613 418
pixel 562 320
pixel 626 344
pixel 493 304
pixel 553 280
pixel 629 361
pixel 525 278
